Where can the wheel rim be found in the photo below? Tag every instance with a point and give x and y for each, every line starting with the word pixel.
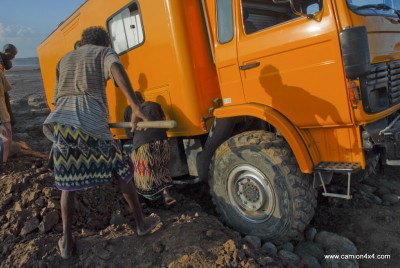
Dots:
pixel 250 193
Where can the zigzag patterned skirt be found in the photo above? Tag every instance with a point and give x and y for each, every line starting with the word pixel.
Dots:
pixel 82 161
pixel 151 175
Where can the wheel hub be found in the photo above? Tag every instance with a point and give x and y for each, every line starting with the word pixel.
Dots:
pixel 250 193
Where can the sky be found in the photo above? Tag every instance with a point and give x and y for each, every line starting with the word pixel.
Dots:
pixel 26 23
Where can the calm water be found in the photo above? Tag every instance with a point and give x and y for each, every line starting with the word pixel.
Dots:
pixel 26 62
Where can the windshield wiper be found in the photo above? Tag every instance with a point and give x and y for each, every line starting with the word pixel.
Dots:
pixel 379 6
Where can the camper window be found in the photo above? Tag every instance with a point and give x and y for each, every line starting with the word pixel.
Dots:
pixel 126 29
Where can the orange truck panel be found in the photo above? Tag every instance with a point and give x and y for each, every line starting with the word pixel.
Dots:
pixel 174 68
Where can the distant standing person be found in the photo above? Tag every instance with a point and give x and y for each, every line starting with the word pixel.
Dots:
pixel 84 152
pixel 150 155
pixel 8 54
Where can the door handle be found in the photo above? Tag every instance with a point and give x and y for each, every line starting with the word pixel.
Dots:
pixel 249 66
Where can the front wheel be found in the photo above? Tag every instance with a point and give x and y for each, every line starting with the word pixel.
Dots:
pixel 258 188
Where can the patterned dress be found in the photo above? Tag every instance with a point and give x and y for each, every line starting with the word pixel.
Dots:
pixel 151 173
pixel 82 161
pixel 150 155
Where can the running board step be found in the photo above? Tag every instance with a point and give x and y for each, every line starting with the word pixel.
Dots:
pixel 325 170
pixel 338 167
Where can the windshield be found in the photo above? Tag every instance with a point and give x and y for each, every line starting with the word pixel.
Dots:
pixel 375 7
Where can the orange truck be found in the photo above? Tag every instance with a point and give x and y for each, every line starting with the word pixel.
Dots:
pixel 271 97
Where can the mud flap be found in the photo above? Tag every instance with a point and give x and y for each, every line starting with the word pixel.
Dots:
pixel 220 132
pixel 392 145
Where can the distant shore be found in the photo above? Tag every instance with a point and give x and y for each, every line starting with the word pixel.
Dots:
pixel 23 68
pixel 23 63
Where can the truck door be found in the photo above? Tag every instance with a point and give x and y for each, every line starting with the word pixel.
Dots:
pixel 225 48
pixel 292 63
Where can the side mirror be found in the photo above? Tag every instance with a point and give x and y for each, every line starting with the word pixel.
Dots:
pixel 306 8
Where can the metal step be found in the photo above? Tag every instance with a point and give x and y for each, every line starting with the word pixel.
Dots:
pixel 323 169
pixel 338 167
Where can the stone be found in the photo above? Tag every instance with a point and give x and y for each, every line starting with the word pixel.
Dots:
pixel 49 220
pixel 24 215
pixel 37 187
pixel 96 222
pixel 390 199
pixel 250 263
pixel 40 201
pixel 265 260
pixel 270 248
pixel 32 196
pixel 309 262
pixel 375 200
pixel 288 246
pixel 18 206
pixel 310 234
pixel 158 247
pixel 335 244
pixel 9 214
pixel 220 261
pixel 382 190
pixel 35 100
pixel 42 177
pixel 241 255
pixel 209 233
pixel 102 253
pixel 230 246
pixel 48 191
pixel 42 264
pixel 117 219
pixel 6 201
pixel 87 232
pixel 254 241
pixel 30 226
pixel 366 188
pixel 371 181
pixel 288 256
pixel 12 188
pixel 339 264
pixel 249 253
pixel 28 196
pixel 58 228
pixel 53 204
pixel 308 248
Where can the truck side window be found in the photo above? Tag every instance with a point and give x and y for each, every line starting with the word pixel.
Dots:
pixel 225 21
pixel 126 29
pixel 259 15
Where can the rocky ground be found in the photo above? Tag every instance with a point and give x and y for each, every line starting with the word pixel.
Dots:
pixel 190 234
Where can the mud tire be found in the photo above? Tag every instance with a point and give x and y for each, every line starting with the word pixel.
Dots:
pixel 272 175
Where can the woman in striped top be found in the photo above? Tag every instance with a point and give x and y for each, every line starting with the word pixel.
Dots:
pixel 84 152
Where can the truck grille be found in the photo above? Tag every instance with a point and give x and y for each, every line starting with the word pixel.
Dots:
pixel 380 89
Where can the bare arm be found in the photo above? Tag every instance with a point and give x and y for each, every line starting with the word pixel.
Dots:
pixel 122 80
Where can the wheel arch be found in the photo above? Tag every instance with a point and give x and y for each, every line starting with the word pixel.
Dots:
pixel 287 129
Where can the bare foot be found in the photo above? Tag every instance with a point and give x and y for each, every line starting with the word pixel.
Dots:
pixel 169 201
pixel 65 249
pixel 150 223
